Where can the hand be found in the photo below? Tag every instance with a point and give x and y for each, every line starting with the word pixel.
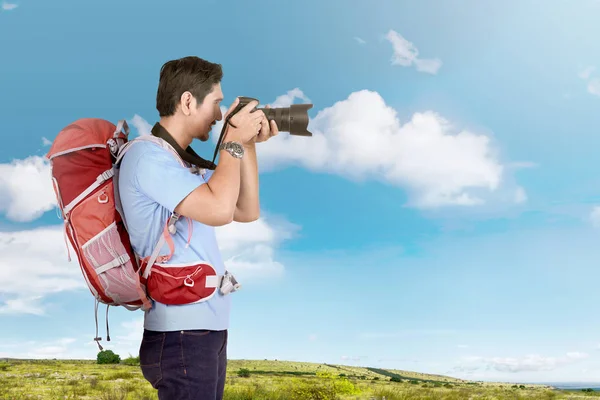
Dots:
pixel 268 129
pixel 244 124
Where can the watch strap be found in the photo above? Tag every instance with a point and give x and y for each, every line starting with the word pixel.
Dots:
pixel 234 148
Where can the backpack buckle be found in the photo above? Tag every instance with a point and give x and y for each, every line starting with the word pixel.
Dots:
pixel 113 146
pixel 106 175
pixel 171 223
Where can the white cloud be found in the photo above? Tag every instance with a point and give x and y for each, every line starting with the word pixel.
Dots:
pixel 249 248
pixel 8 6
pixel 125 340
pixel 586 72
pixel 577 355
pixel 33 264
pixel 359 40
pixel 429 66
pixel 531 362
pixel 46 142
pixel 406 333
pixel 22 305
pixel 361 138
pixel 520 195
pixel 594 86
pixel 353 358
pixel 287 99
pixel 26 189
pixel 142 126
pixel 407 54
pixel 58 348
pixel 595 216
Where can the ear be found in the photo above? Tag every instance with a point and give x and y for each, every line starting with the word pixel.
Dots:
pixel 187 103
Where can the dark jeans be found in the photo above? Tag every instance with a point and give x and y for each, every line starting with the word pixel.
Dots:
pixel 185 365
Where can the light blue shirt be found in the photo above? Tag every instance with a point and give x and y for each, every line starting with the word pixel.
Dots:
pixel 152 183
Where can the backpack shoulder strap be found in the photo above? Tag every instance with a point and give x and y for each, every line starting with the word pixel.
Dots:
pixel 169 228
pixel 162 143
pixel 147 138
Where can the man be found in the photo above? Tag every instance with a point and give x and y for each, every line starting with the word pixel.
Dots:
pixel 183 352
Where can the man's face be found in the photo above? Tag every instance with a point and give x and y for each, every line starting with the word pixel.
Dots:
pixel 207 113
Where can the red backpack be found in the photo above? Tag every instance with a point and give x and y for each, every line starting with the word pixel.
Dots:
pixel 82 157
pixel 85 157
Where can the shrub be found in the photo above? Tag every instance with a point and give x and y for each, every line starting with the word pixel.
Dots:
pixel 316 391
pixel 108 357
pixel 344 386
pixel 114 394
pixel 244 372
pixel 132 360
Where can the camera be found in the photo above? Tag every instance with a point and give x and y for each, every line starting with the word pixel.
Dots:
pixel 292 119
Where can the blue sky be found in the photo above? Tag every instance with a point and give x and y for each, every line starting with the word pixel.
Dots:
pixel 442 219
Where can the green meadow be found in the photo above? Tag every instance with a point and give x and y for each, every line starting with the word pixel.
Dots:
pixel 255 380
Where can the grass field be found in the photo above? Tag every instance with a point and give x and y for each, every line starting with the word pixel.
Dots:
pixel 255 380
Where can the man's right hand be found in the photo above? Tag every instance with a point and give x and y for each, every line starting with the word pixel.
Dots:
pixel 214 202
pixel 245 124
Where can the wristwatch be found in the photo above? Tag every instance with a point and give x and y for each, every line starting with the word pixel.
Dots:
pixel 234 148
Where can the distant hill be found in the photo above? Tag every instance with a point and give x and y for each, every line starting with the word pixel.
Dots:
pixel 282 367
pixel 255 379
pixel 298 368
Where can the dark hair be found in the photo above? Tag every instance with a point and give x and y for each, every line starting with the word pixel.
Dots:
pixel 191 74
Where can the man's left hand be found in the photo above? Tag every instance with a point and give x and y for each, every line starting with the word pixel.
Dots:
pixel 268 129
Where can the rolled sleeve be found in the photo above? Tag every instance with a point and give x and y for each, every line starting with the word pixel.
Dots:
pixel 161 177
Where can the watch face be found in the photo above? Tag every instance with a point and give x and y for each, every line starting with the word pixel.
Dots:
pixel 239 148
pixel 236 148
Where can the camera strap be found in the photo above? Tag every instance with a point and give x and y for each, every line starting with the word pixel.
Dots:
pixel 188 154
